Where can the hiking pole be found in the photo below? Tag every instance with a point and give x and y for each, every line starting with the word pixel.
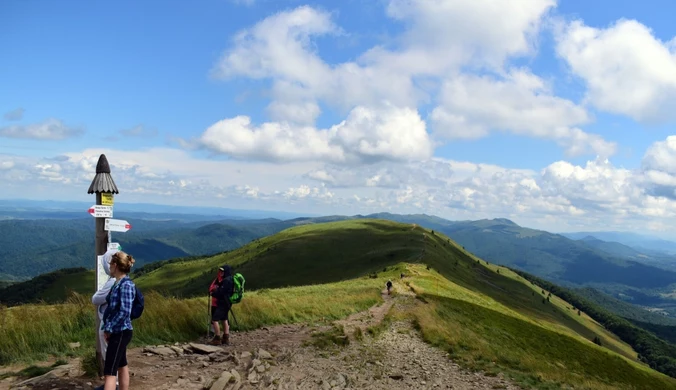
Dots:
pixel 208 315
pixel 235 318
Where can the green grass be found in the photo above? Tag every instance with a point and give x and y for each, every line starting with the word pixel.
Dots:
pixel 346 249
pixel 489 340
pixel 34 332
pixel 81 282
pixel 302 255
pixel 484 334
pixel 53 287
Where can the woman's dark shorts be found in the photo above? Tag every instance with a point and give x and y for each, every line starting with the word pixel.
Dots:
pixel 116 354
pixel 219 313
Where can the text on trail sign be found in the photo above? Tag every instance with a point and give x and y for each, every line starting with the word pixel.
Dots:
pixel 107 199
pixel 116 225
pixel 98 211
pixel 114 246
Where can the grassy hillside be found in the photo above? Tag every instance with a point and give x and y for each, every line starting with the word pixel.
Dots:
pixel 330 252
pixel 478 331
pixel 484 334
pixel 31 248
pixel 658 353
pixel 485 316
pixel 35 247
pixel 52 287
pixel 305 254
pixel 27 336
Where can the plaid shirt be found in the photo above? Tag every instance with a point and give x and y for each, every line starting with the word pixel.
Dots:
pixel 120 300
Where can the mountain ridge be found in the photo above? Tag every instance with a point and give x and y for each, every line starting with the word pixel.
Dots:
pixel 479 312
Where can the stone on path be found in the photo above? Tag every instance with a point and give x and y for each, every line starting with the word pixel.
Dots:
pixel 222 381
pixel 203 348
pixel 263 354
pixel 162 351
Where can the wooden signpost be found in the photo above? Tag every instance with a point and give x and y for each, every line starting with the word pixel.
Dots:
pixel 104 187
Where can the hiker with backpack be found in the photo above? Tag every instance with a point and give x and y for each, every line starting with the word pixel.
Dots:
pixel 124 303
pixel 389 286
pixel 221 290
pixel 99 299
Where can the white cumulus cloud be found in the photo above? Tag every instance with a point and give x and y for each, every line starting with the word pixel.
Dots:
pixel 440 41
pixel 366 135
pixel 521 103
pixel 626 68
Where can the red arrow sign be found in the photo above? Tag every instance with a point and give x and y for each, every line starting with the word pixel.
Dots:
pixel 116 225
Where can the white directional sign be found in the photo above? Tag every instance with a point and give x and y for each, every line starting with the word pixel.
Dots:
pixel 98 211
pixel 114 246
pixel 116 225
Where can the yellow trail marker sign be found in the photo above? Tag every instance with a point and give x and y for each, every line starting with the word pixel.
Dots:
pixel 107 199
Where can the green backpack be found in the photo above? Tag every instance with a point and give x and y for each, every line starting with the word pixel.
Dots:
pixel 238 293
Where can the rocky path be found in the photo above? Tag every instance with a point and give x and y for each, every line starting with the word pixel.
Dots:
pixel 279 357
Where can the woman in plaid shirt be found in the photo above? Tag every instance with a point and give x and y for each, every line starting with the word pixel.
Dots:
pixel 117 329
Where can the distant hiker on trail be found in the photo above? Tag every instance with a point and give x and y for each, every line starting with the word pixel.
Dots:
pixel 99 299
pixel 220 291
pixel 116 326
pixel 389 286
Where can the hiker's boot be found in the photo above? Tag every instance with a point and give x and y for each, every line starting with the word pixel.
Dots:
pixel 226 339
pixel 216 340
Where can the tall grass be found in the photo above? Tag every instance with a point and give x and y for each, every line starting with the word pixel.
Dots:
pixel 34 332
pixel 481 333
pixel 486 339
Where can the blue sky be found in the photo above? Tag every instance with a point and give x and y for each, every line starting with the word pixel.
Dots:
pixel 543 111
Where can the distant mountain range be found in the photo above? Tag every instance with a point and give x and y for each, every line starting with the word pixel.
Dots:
pixel 39 209
pixel 626 270
pixel 639 242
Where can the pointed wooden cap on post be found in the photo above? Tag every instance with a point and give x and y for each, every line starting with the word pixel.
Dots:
pixel 103 182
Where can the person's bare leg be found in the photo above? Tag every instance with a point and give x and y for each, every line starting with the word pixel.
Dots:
pixel 123 374
pixel 110 384
pixel 217 329
pixel 226 332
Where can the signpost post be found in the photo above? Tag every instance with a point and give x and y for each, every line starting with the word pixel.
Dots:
pixel 104 187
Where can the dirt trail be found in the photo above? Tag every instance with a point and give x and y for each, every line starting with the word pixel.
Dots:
pixel 279 358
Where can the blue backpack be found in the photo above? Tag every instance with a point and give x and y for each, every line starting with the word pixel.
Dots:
pixel 138 305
